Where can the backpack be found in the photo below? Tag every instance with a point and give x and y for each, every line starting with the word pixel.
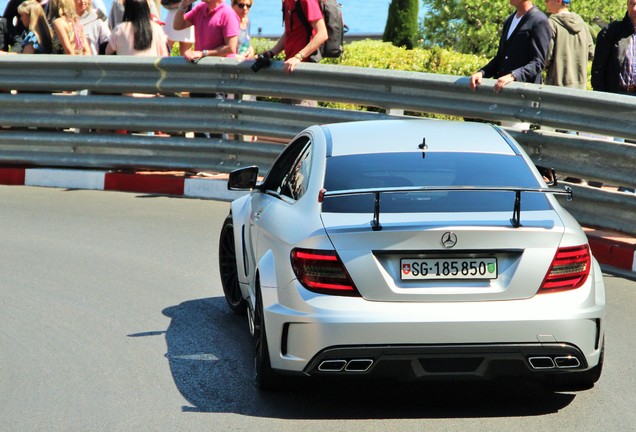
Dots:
pixel 332 14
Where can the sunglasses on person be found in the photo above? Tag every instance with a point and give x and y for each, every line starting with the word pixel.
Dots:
pixel 243 5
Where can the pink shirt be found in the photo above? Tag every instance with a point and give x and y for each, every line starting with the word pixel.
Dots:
pixel 211 28
pixel 122 41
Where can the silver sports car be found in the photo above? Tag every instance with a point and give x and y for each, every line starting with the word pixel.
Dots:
pixel 412 249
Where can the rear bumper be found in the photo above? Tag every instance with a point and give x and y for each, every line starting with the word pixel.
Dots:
pixel 413 337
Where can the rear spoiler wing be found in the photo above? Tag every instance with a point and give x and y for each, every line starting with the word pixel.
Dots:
pixel 516 213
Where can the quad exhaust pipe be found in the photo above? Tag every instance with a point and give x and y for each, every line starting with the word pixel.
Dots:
pixel 561 362
pixel 341 365
pixel 364 365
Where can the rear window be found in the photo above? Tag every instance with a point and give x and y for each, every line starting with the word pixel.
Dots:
pixel 435 169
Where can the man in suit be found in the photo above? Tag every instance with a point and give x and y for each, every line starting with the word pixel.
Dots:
pixel 522 49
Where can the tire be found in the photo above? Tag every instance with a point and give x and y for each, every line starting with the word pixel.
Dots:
pixel 264 376
pixel 228 269
pixel 579 380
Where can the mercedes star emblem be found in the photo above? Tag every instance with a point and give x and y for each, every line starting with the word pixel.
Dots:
pixel 449 240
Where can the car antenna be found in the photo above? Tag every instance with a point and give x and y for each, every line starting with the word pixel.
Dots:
pixel 422 146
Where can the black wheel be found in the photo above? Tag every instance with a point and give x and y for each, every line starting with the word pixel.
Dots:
pixel 228 270
pixel 579 380
pixel 264 376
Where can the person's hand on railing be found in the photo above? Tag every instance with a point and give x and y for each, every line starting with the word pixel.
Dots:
pixel 475 80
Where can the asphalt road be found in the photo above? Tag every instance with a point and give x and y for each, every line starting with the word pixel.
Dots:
pixel 112 319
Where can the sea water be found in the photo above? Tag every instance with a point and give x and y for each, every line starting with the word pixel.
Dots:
pixel 363 17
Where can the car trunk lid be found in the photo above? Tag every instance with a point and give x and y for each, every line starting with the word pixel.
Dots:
pixel 467 256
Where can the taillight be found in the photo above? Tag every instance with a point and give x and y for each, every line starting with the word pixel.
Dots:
pixel 322 271
pixel 569 269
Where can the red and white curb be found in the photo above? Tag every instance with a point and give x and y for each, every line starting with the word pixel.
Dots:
pixel 146 182
pixel 610 249
pixel 613 249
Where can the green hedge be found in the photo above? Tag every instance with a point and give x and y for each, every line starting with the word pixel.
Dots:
pixel 383 55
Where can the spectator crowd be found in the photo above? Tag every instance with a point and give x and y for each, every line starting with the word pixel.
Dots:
pixel 132 27
pixel 530 42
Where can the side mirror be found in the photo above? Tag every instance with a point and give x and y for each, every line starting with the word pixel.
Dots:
pixel 549 175
pixel 243 178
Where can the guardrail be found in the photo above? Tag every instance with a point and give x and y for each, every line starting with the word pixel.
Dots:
pixel 37 122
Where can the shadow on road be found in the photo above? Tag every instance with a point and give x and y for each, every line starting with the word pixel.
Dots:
pixel 210 357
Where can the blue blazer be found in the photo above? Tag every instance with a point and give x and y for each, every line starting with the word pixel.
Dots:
pixel 524 53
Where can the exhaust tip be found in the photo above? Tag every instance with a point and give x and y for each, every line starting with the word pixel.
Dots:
pixel 332 365
pixel 341 365
pixel 359 365
pixel 541 362
pixel 567 362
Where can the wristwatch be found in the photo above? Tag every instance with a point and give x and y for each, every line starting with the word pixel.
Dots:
pixel 205 53
pixel 299 56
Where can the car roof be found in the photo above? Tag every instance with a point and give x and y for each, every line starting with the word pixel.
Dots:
pixel 388 136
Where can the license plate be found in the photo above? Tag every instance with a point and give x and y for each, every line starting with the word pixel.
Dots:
pixel 448 268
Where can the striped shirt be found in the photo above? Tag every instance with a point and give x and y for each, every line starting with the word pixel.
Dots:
pixel 628 70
